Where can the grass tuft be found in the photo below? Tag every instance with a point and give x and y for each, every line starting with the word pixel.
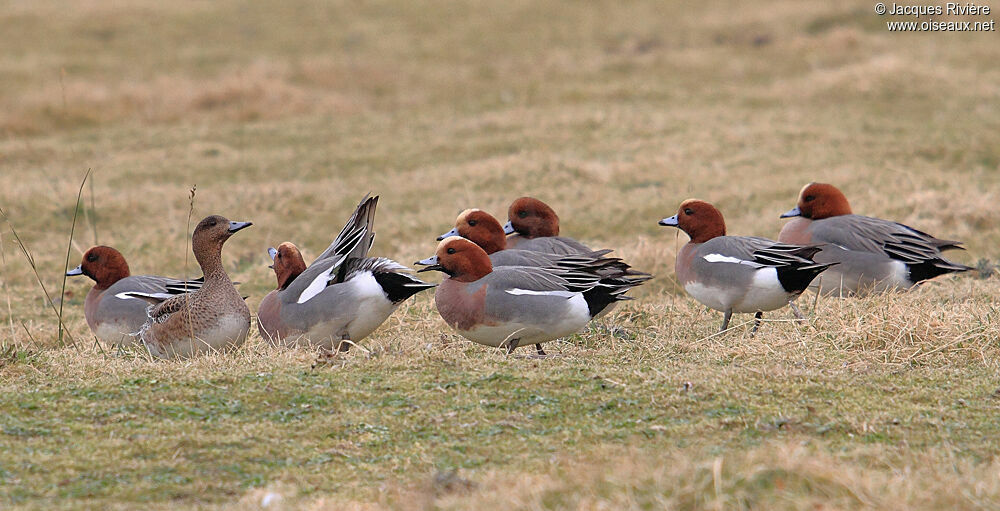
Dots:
pixel 69 250
pixel 34 269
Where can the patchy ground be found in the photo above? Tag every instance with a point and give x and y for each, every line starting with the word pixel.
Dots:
pixel 613 113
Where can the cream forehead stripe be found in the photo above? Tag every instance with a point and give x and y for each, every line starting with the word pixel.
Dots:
pixel 462 216
pixel 446 240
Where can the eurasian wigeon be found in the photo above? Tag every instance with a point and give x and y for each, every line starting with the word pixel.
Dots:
pixel 875 255
pixel 533 225
pixel 343 296
pixel 485 230
pixel 516 305
pixel 111 313
pixel 738 273
pixel 208 319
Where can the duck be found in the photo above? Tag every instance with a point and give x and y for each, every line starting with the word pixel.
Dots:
pixel 342 297
pixel 211 318
pixel 511 306
pixel 533 225
pixel 874 255
pixel 485 230
pixel 112 315
pixel 741 274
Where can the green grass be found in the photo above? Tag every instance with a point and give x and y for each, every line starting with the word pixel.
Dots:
pixel 286 114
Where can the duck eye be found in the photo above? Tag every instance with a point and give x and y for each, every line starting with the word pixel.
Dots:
pixel 211 223
pixel 91 257
pixel 473 222
pixel 522 214
pixel 810 198
pixel 688 211
pixel 451 250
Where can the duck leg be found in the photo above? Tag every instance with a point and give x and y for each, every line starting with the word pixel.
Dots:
pixel 541 352
pixel 512 345
pixel 725 320
pixel 797 312
pixel 343 346
pixel 756 322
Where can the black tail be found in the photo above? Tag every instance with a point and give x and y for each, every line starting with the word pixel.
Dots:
pixel 796 278
pixel 603 280
pixel 612 289
pixel 599 297
pixel 793 263
pixel 400 286
pixel 930 269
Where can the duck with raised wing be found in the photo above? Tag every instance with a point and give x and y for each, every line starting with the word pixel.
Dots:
pixel 211 318
pixel 874 255
pixel 112 314
pixel 512 306
pixel 738 273
pixel 533 225
pixel 343 296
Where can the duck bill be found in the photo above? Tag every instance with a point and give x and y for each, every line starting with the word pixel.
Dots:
pixel 669 221
pixel 791 212
pixel 271 252
pixel 238 226
pixel 429 264
pixel 75 271
pixel 453 232
pixel 508 228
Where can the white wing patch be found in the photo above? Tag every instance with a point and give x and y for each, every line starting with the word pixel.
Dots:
pixel 316 286
pixel 719 258
pixel 519 292
pixel 125 295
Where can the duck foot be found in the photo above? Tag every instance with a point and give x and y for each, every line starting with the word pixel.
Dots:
pixel 539 354
pixel 536 356
pixel 325 356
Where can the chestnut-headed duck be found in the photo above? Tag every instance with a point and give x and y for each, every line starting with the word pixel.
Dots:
pixel 512 306
pixel 485 230
pixel 875 255
pixel 533 225
pixel 738 273
pixel 112 314
pixel 342 297
pixel 208 319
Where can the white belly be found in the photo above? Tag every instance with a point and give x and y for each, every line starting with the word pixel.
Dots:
pixel 367 310
pixel 849 280
pixel 764 294
pixel 716 298
pixel 230 329
pixel 571 321
pixel 115 334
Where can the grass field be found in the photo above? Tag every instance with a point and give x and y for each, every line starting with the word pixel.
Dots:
pixel 287 113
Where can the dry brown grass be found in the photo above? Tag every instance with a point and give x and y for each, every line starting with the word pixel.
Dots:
pixel 286 114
